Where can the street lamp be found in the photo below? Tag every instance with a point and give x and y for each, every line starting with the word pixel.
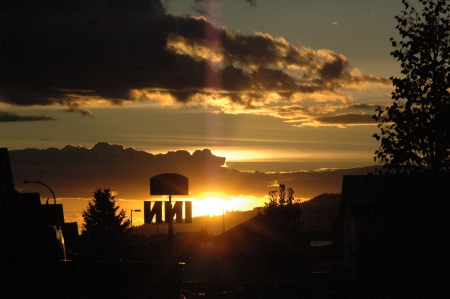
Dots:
pixel 39 182
pixel 132 216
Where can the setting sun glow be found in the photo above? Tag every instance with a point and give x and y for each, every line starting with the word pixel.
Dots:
pixel 215 205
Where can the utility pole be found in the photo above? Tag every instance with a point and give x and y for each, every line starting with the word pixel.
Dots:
pixel 223 220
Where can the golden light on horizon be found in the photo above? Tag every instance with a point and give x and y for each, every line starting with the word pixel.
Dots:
pixel 207 204
pixel 238 154
pixel 213 204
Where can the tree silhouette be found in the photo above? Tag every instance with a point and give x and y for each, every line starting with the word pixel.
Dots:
pixel 104 227
pixel 282 213
pixel 415 130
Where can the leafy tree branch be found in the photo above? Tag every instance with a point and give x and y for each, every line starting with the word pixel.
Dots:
pixel 415 131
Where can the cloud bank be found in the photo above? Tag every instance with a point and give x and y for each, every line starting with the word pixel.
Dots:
pixel 79 54
pixel 12 117
pixel 75 172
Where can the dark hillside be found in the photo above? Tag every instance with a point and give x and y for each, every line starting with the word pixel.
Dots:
pixel 319 214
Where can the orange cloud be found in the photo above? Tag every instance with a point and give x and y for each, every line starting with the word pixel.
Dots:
pixel 147 54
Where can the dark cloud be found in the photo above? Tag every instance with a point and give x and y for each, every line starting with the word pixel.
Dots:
pixel 347 119
pixel 361 106
pixel 12 117
pixel 52 50
pixel 83 53
pixel 333 71
pixel 76 171
pixel 199 5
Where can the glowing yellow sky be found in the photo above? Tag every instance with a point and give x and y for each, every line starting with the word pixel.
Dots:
pixel 212 204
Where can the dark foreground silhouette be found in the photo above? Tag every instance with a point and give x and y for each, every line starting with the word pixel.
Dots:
pixel 33 260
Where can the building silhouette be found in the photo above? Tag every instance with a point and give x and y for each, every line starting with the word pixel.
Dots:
pixel 395 235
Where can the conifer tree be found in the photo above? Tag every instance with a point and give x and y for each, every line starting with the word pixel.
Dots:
pixel 104 226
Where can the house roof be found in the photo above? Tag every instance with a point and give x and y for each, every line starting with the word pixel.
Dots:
pixel 394 192
pixel 397 211
pixel 243 231
pixel 255 240
pixel 16 207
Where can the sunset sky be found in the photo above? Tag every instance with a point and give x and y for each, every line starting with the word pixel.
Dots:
pixel 289 80
pixel 262 81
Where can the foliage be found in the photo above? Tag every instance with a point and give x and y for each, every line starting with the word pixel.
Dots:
pixel 415 130
pixel 104 226
pixel 282 213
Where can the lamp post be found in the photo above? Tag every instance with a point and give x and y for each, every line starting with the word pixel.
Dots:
pixel 39 182
pixel 132 216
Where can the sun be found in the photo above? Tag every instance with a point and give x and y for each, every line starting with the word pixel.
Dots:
pixel 213 205
pixel 216 204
